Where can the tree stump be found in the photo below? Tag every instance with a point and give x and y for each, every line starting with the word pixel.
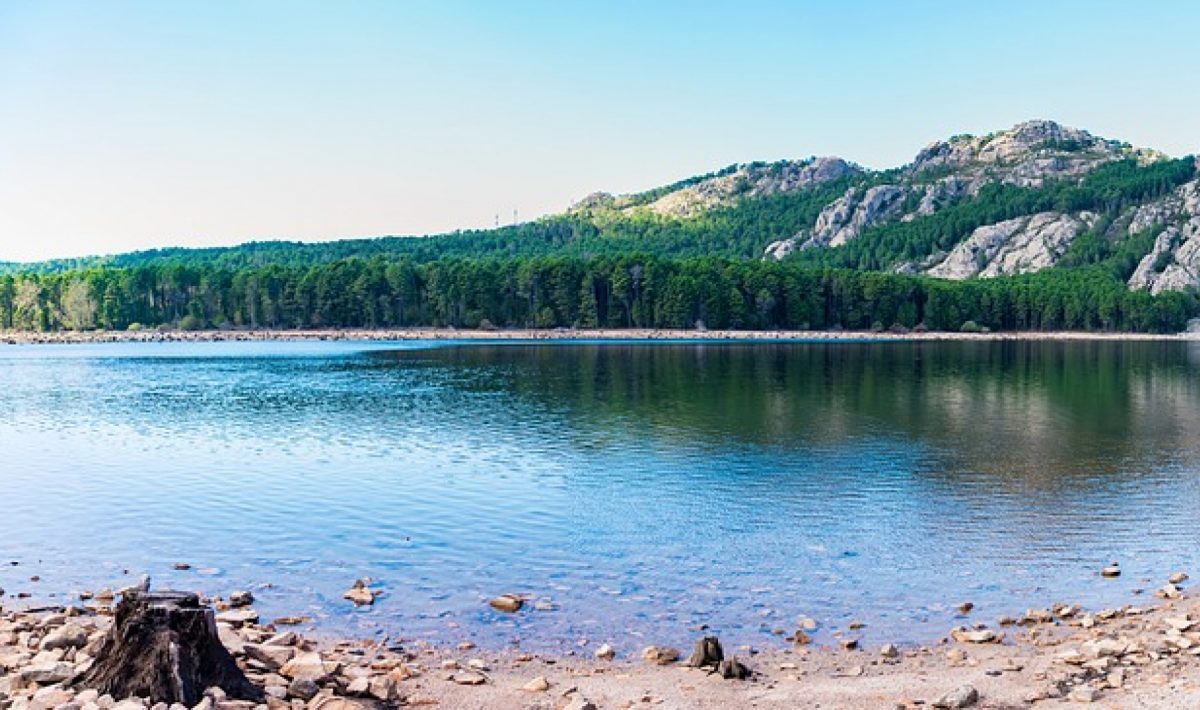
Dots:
pixel 164 646
pixel 708 653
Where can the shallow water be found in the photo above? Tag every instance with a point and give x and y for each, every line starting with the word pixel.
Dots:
pixel 642 489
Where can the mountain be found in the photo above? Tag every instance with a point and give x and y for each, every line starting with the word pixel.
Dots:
pixel 1039 227
pixel 1037 196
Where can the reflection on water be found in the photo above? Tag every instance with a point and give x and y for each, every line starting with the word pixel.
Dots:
pixel 639 489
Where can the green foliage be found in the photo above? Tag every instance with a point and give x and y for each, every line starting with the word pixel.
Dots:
pixel 607 291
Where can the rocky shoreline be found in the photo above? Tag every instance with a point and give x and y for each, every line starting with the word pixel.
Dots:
pixel 631 334
pixel 1145 656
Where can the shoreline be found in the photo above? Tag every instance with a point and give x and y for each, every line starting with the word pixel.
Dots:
pixel 8 337
pixel 1146 656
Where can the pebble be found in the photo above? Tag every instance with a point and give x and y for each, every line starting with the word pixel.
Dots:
pixel 537 685
pixel 508 603
pixel 606 653
pixel 1111 571
pixel 1177 578
pixel 660 655
pixel 964 696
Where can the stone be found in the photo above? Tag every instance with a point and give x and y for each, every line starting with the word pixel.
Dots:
pixel 308 664
pixel 660 655
pixel 965 607
pixel 303 688
pixel 976 636
pixel 361 594
pixel 889 650
pixel 1084 694
pixel 606 653
pixel 241 599
pixel 1016 246
pixel 52 697
pixel 1111 571
pixel 537 685
pixel 272 656
pixel 508 603
pixel 578 702
pixel 66 636
pixel 964 696
pixel 1169 591
pixel 850 644
pixel 468 678
pixel 1177 578
pixel 238 618
pixel 46 673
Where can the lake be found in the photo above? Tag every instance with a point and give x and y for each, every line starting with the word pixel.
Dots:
pixel 635 490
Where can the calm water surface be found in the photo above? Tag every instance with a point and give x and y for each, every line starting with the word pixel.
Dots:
pixel 639 489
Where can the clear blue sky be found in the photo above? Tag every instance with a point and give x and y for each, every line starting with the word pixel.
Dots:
pixel 131 124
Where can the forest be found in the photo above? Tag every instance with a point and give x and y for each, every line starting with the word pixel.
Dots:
pixel 572 292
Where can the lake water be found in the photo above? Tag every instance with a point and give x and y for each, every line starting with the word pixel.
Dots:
pixel 640 489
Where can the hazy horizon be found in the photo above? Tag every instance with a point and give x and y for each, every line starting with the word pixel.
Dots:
pixel 140 125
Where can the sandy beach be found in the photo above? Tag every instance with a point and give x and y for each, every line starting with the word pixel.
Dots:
pixel 1145 656
pixel 630 334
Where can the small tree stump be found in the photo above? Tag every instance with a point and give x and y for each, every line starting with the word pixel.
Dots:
pixel 708 653
pixel 164 646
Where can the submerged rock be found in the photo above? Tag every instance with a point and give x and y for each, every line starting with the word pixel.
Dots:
pixel 508 603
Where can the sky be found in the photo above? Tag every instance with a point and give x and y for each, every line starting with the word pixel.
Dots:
pixel 129 125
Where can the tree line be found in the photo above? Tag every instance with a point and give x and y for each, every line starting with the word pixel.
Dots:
pixel 623 291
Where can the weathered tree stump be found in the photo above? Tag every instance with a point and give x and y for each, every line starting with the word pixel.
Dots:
pixel 708 653
pixel 164 646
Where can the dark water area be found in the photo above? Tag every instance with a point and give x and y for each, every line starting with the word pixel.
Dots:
pixel 635 490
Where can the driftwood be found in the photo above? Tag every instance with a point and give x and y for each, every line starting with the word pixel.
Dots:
pixel 164 646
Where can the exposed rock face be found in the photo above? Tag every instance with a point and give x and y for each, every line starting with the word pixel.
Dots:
pixel 754 180
pixel 1015 246
pixel 1174 262
pixel 1027 154
pixel 853 212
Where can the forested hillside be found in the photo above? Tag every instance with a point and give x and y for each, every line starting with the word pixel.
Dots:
pixel 1038 227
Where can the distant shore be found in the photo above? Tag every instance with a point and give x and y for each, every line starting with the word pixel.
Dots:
pixel 630 334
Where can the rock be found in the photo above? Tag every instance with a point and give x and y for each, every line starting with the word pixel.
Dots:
pixel 856 210
pixel 801 639
pixel 238 618
pixel 964 696
pixel 303 688
pixel 976 636
pixel 578 702
pixel 327 702
pixel 273 656
pixel 240 599
pixel 468 678
pixel 1169 591
pixel 46 673
pixel 1084 694
pixel 606 653
pixel 308 664
pixel 1177 578
pixel 359 686
pixel 1111 571
pixel 361 594
pixel 850 644
pixel 889 651
pixel 660 655
pixel 508 603
pixel 52 697
pixel 808 624
pixel 1016 246
pixel 965 607
pixel 291 620
pixel 537 685
pixel 66 636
